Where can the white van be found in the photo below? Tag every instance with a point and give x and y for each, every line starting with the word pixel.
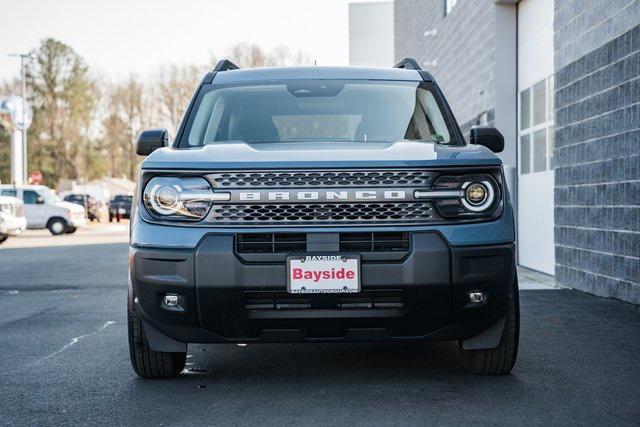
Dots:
pixel 44 209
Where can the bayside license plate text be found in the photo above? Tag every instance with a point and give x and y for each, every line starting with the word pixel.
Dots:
pixel 324 274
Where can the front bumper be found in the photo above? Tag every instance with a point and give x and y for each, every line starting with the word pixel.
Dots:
pixel 77 220
pixel 226 298
pixel 13 225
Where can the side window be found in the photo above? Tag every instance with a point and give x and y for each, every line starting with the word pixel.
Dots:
pixel 12 193
pixel 30 197
pixel 435 116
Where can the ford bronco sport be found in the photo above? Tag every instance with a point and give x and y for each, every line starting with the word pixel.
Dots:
pixel 321 204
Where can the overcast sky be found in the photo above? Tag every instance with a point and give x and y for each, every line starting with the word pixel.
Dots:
pixel 117 37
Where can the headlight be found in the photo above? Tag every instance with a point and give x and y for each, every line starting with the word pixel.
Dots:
pixel 476 193
pixel 456 196
pixel 478 196
pixel 179 198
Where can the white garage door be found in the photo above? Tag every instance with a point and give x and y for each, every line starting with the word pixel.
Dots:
pixel 536 137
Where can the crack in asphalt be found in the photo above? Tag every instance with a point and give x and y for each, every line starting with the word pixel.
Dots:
pixel 70 344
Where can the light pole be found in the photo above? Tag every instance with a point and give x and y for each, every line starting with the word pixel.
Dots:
pixel 15 120
pixel 23 77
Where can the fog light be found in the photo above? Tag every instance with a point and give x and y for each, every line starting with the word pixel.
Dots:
pixel 172 302
pixel 477 297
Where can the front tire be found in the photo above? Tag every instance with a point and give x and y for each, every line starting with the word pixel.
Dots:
pixel 146 362
pixel 3 237
pixel 499 360
pixel 57 226
pixel 70 230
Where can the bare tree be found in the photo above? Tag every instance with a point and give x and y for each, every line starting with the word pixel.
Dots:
pixel 248 55
pixel 128 99
pixel 127 111
pixel 175 87
pixel 251 55
pixel 285 56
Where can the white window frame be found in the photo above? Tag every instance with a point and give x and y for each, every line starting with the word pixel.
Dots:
pixel 548 125
pixel 449 5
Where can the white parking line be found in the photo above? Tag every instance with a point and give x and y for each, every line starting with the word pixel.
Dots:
pixel 73 342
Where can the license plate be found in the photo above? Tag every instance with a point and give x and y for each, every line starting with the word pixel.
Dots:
pixel 323 274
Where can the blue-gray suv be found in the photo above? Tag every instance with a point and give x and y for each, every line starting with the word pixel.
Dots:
pixel 321 204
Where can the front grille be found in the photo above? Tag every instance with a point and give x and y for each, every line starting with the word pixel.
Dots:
pixel 371 300
pixel 276 301
pixel 13 209
pixel 284 243
pixel 374 242
pixel 321 178
pixel 322 213
pixel 271 242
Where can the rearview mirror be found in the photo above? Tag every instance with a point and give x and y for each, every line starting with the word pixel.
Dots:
pixel 487 136
pixel 150 140
pixel 39 200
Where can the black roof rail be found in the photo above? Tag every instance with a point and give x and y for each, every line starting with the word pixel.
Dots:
pixel 409 64
pixel 225 65
pixel 412 64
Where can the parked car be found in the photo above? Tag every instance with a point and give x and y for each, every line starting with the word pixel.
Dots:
pixel 12 217
pixel 91 205
pixel 321 204
pixel 120 207
pixel 44 209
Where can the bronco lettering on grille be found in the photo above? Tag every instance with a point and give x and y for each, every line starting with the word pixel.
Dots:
pixel 321 195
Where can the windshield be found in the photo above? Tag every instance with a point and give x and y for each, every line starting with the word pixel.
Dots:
pixel 319 111
pixel 48 195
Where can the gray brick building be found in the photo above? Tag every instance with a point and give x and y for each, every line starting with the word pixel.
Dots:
pixel 561 80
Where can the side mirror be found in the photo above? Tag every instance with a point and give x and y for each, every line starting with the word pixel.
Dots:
pixel 150 140
pixel 487 136
pixel 39 200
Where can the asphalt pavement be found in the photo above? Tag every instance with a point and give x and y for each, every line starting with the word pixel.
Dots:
pixel 64 359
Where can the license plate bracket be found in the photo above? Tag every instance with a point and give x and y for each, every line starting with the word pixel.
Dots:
pixel 323 273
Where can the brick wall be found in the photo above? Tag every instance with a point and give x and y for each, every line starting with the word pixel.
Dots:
pixel 463 49
pixel 597 120
pixel 597 174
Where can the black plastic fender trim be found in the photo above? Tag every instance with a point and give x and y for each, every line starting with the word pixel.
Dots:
pixel 489 338
pixel 160 342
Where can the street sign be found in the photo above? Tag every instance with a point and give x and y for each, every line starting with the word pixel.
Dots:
pixel 15 114
pixel 35 178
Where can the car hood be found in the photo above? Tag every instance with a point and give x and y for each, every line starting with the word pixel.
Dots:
pixel 10 200
pixel 70 206
pixel 238 155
